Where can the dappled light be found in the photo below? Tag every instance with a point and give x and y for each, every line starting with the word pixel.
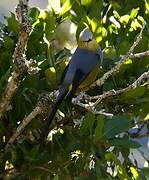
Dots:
pixel 74 90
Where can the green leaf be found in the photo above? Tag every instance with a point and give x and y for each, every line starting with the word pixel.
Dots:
pixel 135 93
pixel 115 126
pixel 8 43
pixel 123 47
pixel 134 172
pixel 147 7
pixel 33 154
pixel 80 28
pixel 5 57
pixel 13 24
pixel 50 26
pixel 66 7
pixel 134 13
pixel 85 2
pixel 88 123
pixel 56 177
pixel 79 11
pixel 34 13
pixel 99 127
pixel 95 9
pixel 124 143
pixel 3 80
pixel 50 74
pixel 146 172
pixel 124 19
pixel 98 170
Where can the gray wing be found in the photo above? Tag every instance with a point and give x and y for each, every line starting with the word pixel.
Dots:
pixel 82 60
pixel 82 63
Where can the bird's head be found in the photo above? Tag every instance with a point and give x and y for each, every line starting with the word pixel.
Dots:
pixel 86 40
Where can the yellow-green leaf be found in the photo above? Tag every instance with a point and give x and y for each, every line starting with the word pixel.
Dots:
pixel 134 13
pixel 66 7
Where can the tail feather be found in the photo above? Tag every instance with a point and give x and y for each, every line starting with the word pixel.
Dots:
pixel 50 117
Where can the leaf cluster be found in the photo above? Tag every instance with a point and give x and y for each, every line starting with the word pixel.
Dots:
pixel 92 148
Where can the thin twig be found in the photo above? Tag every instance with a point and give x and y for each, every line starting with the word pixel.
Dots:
pixel 116 68
pixel 91 106
pixel 108 94
pixel 44 102
pixel 139 55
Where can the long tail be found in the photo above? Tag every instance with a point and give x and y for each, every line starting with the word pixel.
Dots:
pixel 50 117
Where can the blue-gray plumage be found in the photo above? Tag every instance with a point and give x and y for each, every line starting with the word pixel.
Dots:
pixel 82 63
pixel 80 73
pixel 84 60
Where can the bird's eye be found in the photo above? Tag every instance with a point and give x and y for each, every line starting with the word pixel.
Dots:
pixel 88 40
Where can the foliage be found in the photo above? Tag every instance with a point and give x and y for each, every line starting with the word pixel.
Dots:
pixel 90 149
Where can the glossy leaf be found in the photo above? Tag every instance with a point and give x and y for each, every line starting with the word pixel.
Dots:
pixel 80 145
pixel 124 143
pixel 34 13
pixel 134 13
pixel 99 127
pixel 50 26
pixel 138 92
pixel 66 7
pixel 115 126
pixel 13 24
pixel 88 123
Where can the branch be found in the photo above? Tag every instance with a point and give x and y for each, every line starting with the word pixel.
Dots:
pixel 116 68
pixel 139 55
pixel 44 103
pixel 21 65
pixel 46 99
pixel 41 106
pixel 91 105
pixel 22 126
pixel 108 94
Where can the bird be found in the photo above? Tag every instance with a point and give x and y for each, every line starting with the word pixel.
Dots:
pixel 79 74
